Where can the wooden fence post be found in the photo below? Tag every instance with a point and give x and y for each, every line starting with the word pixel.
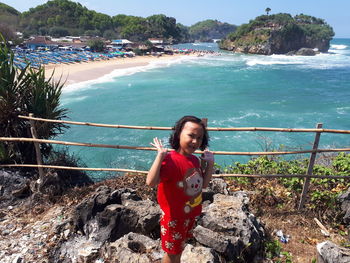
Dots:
pixel 310 168
pixel 39 159
pixel 203 163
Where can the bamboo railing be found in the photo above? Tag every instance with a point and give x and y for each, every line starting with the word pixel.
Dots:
pixel 313 152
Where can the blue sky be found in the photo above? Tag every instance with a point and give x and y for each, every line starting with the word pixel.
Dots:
pixel 336 12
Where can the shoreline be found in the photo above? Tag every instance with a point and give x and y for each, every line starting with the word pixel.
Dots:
pixel 93 70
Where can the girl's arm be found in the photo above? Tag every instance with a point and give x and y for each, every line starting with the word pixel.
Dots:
pixel 208 157
pixel 153 174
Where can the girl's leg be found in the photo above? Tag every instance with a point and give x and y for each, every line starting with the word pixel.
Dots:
pixel 168 258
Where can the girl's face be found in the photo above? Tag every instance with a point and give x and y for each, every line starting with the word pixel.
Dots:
pixel 191 137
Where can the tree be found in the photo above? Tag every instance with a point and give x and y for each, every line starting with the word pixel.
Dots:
pixel 58 31
pixel 267 10
pixel 7 32
pixel 96 45
pixel 24 91
pixel 109 34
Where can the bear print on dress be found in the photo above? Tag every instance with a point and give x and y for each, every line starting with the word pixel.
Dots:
pixel 192 186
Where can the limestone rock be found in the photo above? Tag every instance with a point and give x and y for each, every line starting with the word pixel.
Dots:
pixel 218 186
pixel 230 228
pixel 328 252
pixel 193 254
pixel 13 187
pixel 133 248
pixel 344 200
pixel 77 250
pixel 306 52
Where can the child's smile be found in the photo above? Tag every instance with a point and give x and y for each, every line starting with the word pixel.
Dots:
pixel 191 137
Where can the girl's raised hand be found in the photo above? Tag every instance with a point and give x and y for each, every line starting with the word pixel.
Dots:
pixel 207 156
pixel 158 144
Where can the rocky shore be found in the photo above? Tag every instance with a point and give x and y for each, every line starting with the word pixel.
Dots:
pixel 112 222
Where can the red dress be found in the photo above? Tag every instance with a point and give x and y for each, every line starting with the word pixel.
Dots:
pixel 180 198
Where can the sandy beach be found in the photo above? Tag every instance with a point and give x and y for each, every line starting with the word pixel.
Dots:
pixel 85 71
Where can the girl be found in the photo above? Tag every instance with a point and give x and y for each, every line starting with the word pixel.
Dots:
pixel 180 180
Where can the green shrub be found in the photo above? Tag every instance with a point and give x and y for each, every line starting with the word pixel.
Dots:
pixel 24 91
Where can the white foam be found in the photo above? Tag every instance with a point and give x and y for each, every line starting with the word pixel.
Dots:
pixel 125 72
pixel 320 61
pixel 236 119
pixel 254 62
pixel 343 110
pixel 339 46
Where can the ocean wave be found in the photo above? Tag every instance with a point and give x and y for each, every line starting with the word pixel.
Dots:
pixel 125 72
pixel 237 119
pixel 343 110
pixel 333 46
pixel 320 61
pixel 67 101
pixel 254 62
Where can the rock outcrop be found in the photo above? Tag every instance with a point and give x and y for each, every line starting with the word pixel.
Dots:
pixel 328 252
pixel 230 229
pixel 280 34
pixel 14 186
pixel 118 225
pixel 344 200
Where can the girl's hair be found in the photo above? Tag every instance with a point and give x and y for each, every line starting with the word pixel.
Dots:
pixel 174 139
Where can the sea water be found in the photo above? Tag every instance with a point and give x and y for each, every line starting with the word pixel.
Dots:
pixel 231 90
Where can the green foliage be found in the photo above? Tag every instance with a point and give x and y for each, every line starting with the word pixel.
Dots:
pixel 58 17
pixel 210 29
pixel 65 14
pixel 318 32
pixel 322 193
pixel 24 91
pixel 96 45
pixel 70 178
pixel 110 34
pixel 9 19
pixel 272 249
pixel 58 31
pixel 341 164
pixel 290 28
pixel 292 31
pixel 92 33
pixel 8 9
pixel 161 26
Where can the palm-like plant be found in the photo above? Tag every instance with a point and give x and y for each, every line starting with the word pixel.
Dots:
pixel 24 91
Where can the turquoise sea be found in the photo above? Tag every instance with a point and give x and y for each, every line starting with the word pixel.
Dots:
pixel 231 90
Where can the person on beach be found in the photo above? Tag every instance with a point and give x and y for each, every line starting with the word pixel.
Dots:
pixel 180 179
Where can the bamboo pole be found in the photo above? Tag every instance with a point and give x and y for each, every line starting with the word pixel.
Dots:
pixel 145 172
pixel 203 164
pixel 74 168
pixel 154 149
pixel 282 176
pixel 97 124
pixel 309 169
pixel 37 149
pixel 208 128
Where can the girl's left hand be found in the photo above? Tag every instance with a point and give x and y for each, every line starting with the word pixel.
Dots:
pixel 207 156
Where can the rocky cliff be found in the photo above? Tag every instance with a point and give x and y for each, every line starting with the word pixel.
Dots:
pixel 280 34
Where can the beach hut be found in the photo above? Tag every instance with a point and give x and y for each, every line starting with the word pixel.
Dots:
pixel 39 41
pixel 156 41
pixel 120 43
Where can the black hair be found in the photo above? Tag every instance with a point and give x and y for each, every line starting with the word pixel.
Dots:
pixel 174 139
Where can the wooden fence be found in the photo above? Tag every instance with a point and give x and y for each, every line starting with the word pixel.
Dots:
pixel 313 152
